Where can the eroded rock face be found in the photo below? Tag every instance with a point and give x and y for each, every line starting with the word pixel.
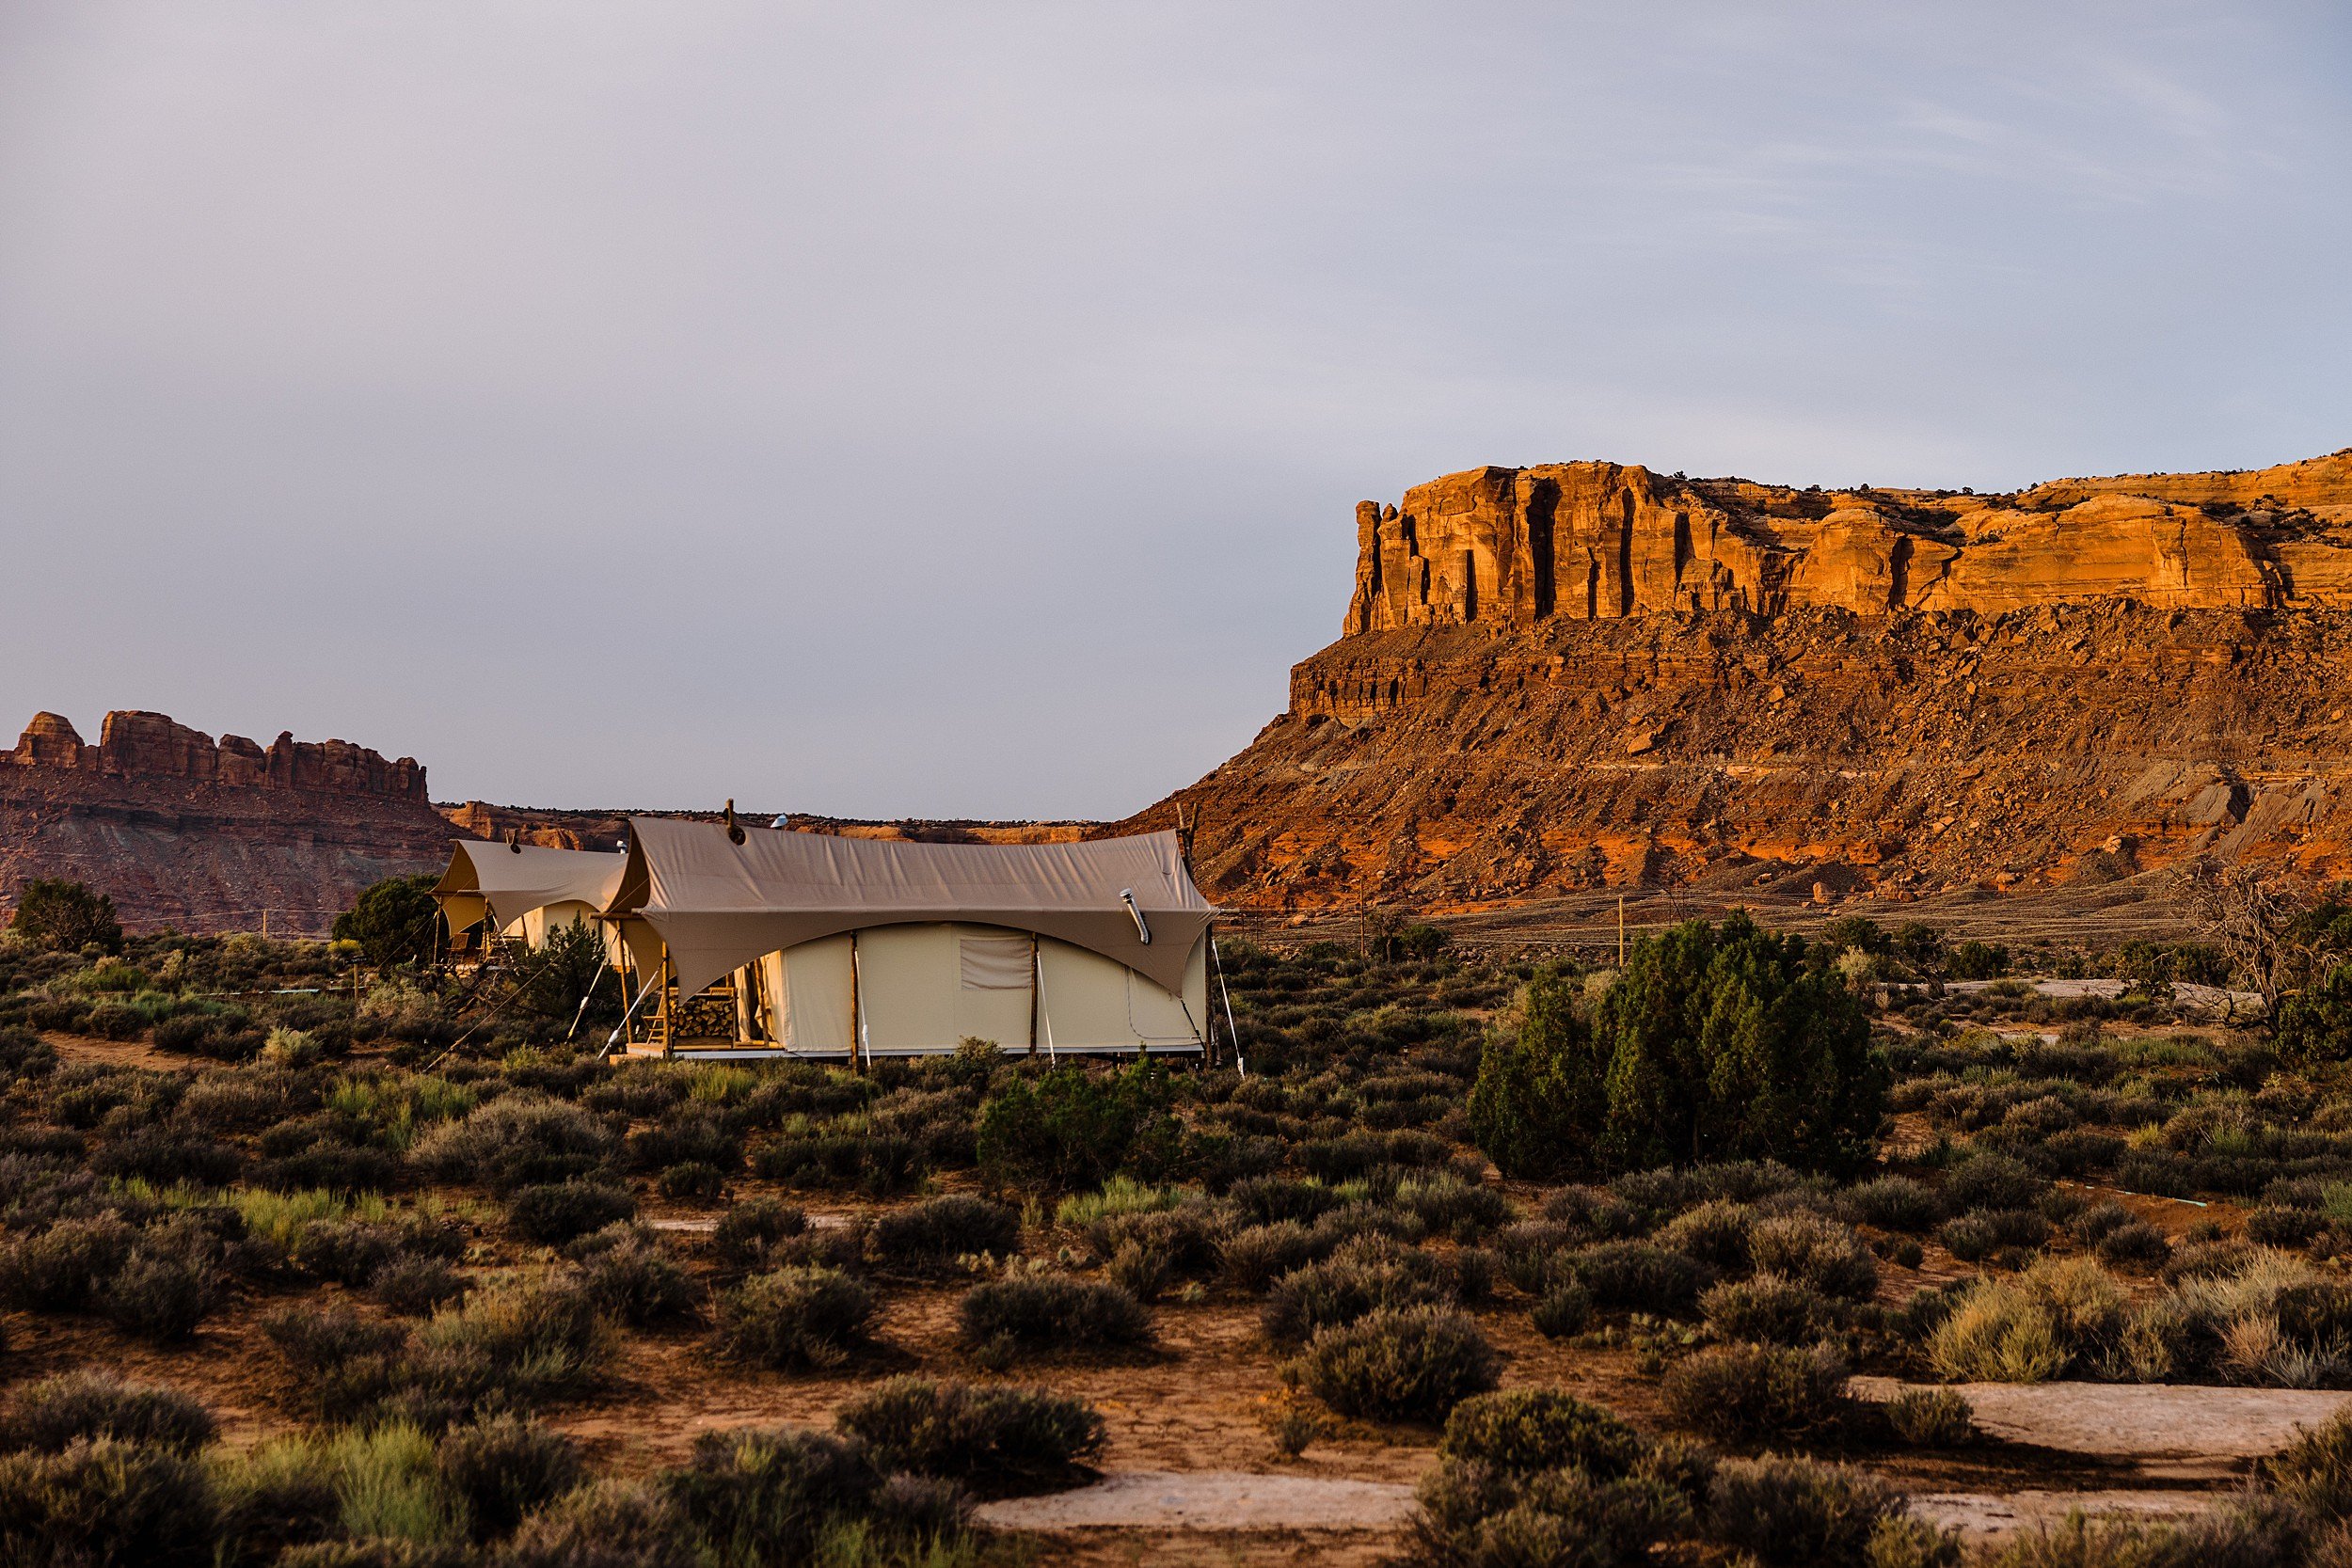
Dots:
pixel 1587 675
pixel 1606 540
pixel 184 831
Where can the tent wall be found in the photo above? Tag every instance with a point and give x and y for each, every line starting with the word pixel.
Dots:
pixel 807 991
pixel 924 987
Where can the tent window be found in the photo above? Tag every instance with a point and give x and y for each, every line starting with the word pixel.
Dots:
pixel 995 963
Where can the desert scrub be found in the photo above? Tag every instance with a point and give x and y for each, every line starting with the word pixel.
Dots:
pixel 1769 1310
pixel 1818 1252
pixel 105 1502
pixel 500 1468
pixel 748 1234
pixel 937 1231
pixel 1526 1430
pixel 750 1499
pixel 58 1412
pixel 1000 1441
pixel 2030 1327
pixel 1034 1313
pixel 1895 1203
pixel 1413 1364
pixel 1748 1393
pixel 1931 1418
pixel 626 1272
pixel 553 1213
pixel 1360 1278
pixel 1638 1276
pixel 1796 1513
pixel 521 1138
pixel 796 1319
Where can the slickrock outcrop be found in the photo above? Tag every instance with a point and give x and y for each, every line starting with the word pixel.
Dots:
pixel 203 835
pixel 1590 675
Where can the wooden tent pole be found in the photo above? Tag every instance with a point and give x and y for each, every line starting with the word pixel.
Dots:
pixel 1036 958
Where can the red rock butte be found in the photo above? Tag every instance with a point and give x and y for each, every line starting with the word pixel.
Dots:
pixel 1587 676
pixel 183 831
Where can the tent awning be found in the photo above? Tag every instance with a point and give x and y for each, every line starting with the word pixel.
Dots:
pixel 507 881
pixel 719 905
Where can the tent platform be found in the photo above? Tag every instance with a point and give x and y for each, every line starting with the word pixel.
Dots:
pixel 729 1051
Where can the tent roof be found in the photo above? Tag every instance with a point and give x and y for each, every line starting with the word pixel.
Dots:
pixel 719 905
pixel 508 881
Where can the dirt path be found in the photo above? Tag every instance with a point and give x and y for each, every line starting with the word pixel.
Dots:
pixel 2165 1428
pixel 1209 1501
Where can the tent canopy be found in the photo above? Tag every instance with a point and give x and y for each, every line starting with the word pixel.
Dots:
pixel 507 881
pixel 719 905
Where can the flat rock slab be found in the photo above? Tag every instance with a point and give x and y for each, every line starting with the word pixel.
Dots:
pixel 1209 1500
pixel 2139 1420
pixel 1981 1517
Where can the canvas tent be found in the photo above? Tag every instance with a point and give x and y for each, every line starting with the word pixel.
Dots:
pixel 523 890
pixel 847 948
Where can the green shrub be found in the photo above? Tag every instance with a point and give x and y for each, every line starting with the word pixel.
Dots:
pixel 1715 1233
pixel 1564 1310
pixel 629 1276
pixel 1360 1278
pixel 63 916
pixel 1818 1252
pixel 1931 1418
pixel 1071 1128
pixel 1409 1364
pixel 872 1163
pixel 1799 1514
pixel 554 1213
pixel 394 922
pixel 1746 1393
pixel 1715 1042
pixel 796 1318
pixel 2315 1469
pixel 58 1268
pixel 694 1180
pixel 278 1493
pixel 1978 960
pixel 390 1487
pixel 1526 1430
pixel 107 1504
pixel 2136 1245
pixel 1050 1311
pixel 2028 1328
pixel 521 1138
pixel 415 1286
pixel 55 1412
pixel 939 1230
pixel 1771 1309
pixel 1639 1276
pixel 504 1467
pixel 607 1525
pixel 161 1297
pixel 1252 1260
pixel 749 1232
pixel 1000 1441
pixel 1993 1182
pixel 751 1499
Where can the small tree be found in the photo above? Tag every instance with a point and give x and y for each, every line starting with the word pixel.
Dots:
pixel 1072 1129
pixel 66 916
pixel 570 981
pixel 1979 960
pixel 1716 1043
pixel 394 922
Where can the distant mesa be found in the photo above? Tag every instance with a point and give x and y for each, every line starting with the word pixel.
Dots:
pixel 1590 675
pixel 139 745
pixel 201 835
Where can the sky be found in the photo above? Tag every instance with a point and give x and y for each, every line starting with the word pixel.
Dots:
pixel 958 410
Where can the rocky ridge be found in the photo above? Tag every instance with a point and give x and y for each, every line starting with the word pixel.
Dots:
pixel 200 835
pixel 1590 675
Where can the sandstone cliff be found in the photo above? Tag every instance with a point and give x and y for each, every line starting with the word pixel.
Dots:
pixel 1589 674
pixel 203 835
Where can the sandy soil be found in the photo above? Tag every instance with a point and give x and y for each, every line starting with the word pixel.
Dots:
pixel 1211 1500
pixel 2163 1428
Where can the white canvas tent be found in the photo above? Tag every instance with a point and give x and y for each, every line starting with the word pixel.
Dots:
pixel 523 890
pixel 847 948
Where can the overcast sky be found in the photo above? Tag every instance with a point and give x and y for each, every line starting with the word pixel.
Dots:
pixel 959 409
